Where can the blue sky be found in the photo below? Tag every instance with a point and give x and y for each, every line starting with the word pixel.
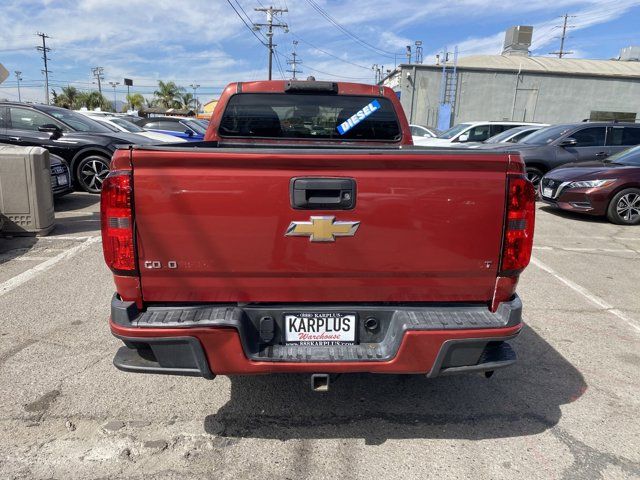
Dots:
pixel 205 42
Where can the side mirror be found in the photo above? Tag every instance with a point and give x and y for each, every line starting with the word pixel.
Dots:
pixel 568 142
pixel 189 132
pixel 54 130
pixel 464 137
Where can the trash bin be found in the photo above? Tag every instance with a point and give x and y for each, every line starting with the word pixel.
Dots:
pixel 26 199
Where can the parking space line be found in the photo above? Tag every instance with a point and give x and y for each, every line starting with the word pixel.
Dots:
pixel 78 239
pixel 31 259
pixel 24 277
pixel 589 237
pixel 593 298
pixel 581 249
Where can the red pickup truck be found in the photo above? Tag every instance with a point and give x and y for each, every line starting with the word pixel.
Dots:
pixel 308 234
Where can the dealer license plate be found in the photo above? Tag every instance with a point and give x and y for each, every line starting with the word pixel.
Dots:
pixel 547 192
pixel 62 179
pixel 313 328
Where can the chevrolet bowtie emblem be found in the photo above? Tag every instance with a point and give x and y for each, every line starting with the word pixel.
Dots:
pixel 322 229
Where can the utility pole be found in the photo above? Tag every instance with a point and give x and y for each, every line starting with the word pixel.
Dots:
pixel 115 99
pixel 19 79
pixel 271 14
pixel 44 49
pixel 98 74
pixel 561 53
pixel 418 51
pixel 377 72
pixel 195 87
pixel 294 62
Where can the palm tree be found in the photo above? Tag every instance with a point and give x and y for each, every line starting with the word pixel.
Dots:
pixel 69 98
pixel 135 101
pixel 186 100
pixel 93 100
pixel 150 102
pixel 167 94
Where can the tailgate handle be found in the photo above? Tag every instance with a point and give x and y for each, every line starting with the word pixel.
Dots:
pixel 323 193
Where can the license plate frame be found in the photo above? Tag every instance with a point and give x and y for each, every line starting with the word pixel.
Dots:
pixel 317 328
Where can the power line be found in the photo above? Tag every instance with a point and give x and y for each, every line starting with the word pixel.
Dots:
pixel 245 23
pixel 327 53
pixel 326 73
pixel 362 42
pixel 44 49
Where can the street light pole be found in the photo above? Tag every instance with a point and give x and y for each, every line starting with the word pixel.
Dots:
pixel 19 79
pixel 195 87
pixel 115 98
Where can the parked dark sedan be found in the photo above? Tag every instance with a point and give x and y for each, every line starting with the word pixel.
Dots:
pixel 610 187
pixel 84 144
pixel 60 176
pixel 556 145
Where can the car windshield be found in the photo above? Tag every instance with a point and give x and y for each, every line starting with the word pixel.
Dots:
pixel 106 124
pixel 502 136
pixel 545 136
pixel 77 121
pixel 195 126
pixel 630 156
pixel 455 130
pixel 127 125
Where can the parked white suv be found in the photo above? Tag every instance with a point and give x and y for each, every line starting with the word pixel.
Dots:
pixel 468 132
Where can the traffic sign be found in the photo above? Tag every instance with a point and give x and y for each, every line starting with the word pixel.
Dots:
pixel 3 73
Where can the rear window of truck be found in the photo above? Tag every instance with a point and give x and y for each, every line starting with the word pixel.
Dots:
pixel 317 116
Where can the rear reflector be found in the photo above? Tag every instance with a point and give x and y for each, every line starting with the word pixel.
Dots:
pixel 117 223
pixel 519 225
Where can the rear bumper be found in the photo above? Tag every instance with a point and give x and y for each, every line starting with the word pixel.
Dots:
pixel 230 340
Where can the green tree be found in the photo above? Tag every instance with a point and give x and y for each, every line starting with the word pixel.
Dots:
pixel 135 101
pixel 95 99
pixel 68 98
pixel 187 100
pixel 167 94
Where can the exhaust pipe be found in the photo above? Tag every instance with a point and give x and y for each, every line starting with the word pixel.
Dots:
pixel 320 382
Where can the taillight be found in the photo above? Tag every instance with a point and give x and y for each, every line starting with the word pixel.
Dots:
pixel 520 220
pixel 117 223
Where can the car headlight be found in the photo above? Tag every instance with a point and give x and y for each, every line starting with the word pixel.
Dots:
pixel 591 183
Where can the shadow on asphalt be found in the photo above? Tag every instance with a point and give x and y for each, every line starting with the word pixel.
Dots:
pixel 75 201
pixel 522 400
pixel 573 216
pixel 13 247
pixel 82 224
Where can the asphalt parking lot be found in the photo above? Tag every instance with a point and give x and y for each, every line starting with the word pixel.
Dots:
pixel 568 409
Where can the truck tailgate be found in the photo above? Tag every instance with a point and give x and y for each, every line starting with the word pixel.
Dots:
pixel 211 223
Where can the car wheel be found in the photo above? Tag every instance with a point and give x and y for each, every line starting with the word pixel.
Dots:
pixel 534 175
pixel 91 172
pixel 624 208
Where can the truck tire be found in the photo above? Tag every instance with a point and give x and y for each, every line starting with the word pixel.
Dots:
pixel 624 207
pixel 91 172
